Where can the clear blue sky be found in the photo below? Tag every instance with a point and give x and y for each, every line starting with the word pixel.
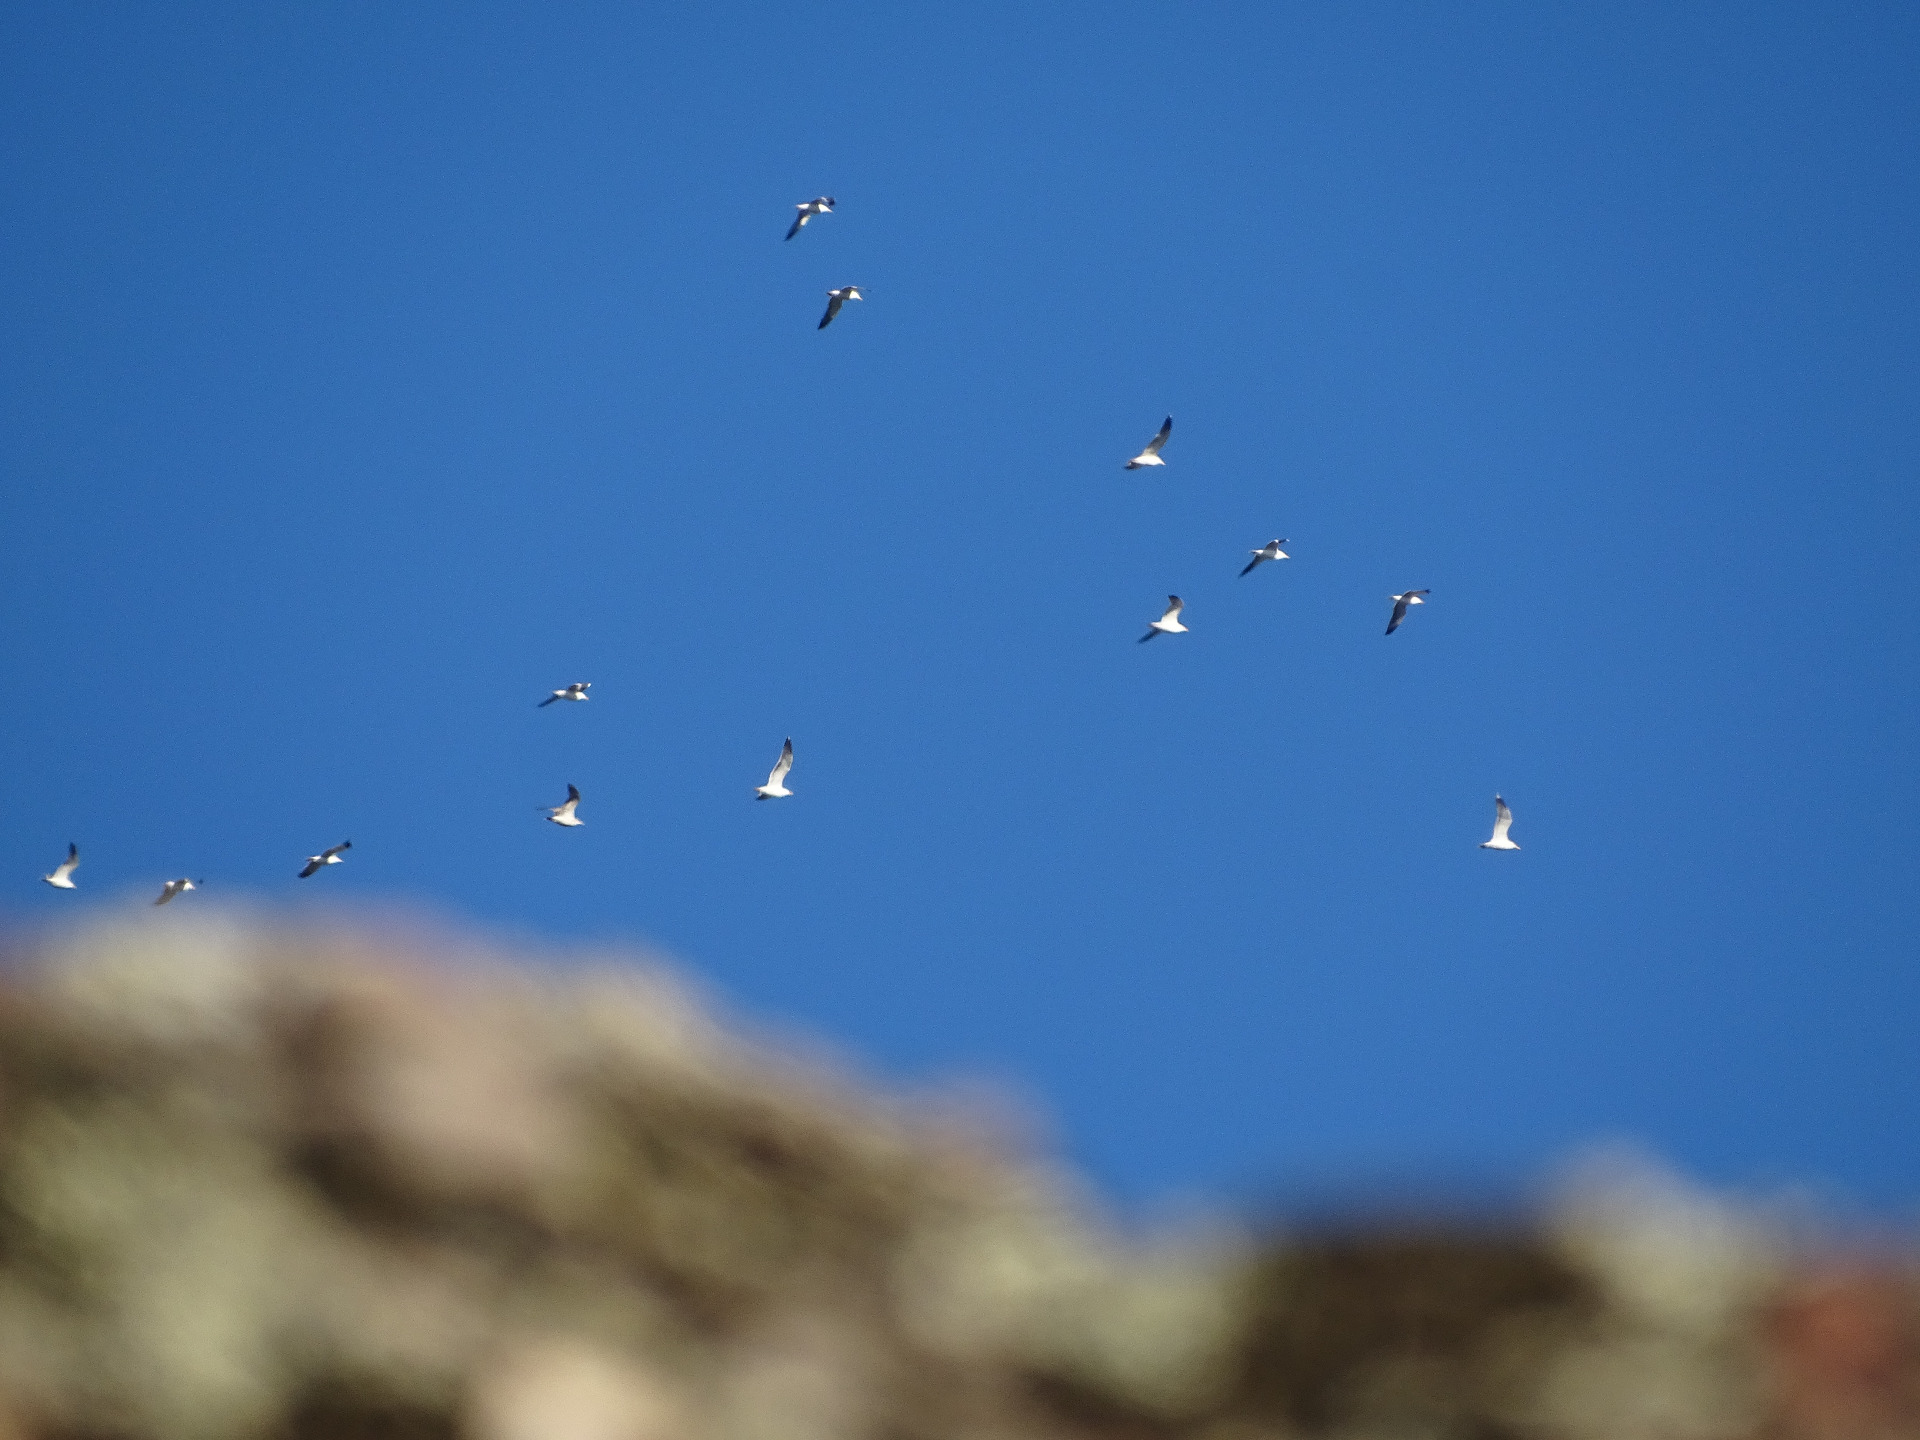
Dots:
pixel 368 374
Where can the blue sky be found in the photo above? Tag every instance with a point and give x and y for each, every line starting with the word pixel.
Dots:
pixel 367 375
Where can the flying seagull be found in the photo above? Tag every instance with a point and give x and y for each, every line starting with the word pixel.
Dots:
pixel 1400 604
pixel 564 814
pixel 329 856
pixel 835 299
pixel 1270 551
pixel 1502 822
pixel 1169 623
pixel 173 888
pixel 808 209
pixel 1151 455
pixel 776 786
pixel 62 876
pixel 576 691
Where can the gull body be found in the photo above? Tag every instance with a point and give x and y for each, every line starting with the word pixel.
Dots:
pixel 1502 822
pixel 564 814
pixel 835 299
pixel 1269 551
pixel 1151 455
pixel 1400 604
pixel 776 786
pixel 576 691
pixel 329 856
pixel 1169 623
pixel 174 887
pixel 808 209
pixel 62 876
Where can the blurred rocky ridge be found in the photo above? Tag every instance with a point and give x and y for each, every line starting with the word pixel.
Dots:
pixel 276 1183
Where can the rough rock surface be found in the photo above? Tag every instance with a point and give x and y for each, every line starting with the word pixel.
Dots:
pixel 260 1182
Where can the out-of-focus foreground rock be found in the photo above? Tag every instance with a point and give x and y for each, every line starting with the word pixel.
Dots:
pixel 266 1184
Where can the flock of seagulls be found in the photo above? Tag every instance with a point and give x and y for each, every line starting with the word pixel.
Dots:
pixel 567 813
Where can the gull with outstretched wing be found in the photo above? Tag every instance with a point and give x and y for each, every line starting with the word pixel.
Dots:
pixel 1169 623
pixel 329 856
pixel 1400 604
pixel 576 691
pixel 1151 455
pixel 564 814
pixel 176 887
pixel 1269 551
pixel 62 876
pixel 808 209
pixel 835 299
pixel 776 786
pixel 1502 822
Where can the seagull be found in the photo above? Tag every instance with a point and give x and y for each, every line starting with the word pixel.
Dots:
pixel 62 876
pixel 1502 822
pixel 1270 551
pixel 835 299
pixel 330 856
pixel 1151 455
pixel 173 888
pixel 775 788
pixel 1169 623
pixel 563 814
pixel 576 691
pixel 1400 604
pixel 808 209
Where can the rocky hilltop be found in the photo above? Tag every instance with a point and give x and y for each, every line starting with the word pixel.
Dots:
pixel 268 1182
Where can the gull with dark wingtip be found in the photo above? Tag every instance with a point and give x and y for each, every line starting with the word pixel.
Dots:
pixel 1400 604
pixel 175 888
pixel 1169 623
pixel 835 299
pixel 564 814
pixel 329 856
pixel 776 786
pixel 1502 822
pixel 808 209
pixel 576 691
pixel 1269 551
pixel 1151 454
pixel 62 876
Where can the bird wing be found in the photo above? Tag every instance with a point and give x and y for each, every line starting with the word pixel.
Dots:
pixel 1399 614
pixel 1174 606
pixel 799 220
pixel 336 849
pixel 1502 818
pixel 312 865
pixel 1258 556
pixel 67 866
pixel 167 892
pixel 573 795
pixel 834 301
pixel 1148 636
pixel 1153 445
pixel 548 701
pixel 782 765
